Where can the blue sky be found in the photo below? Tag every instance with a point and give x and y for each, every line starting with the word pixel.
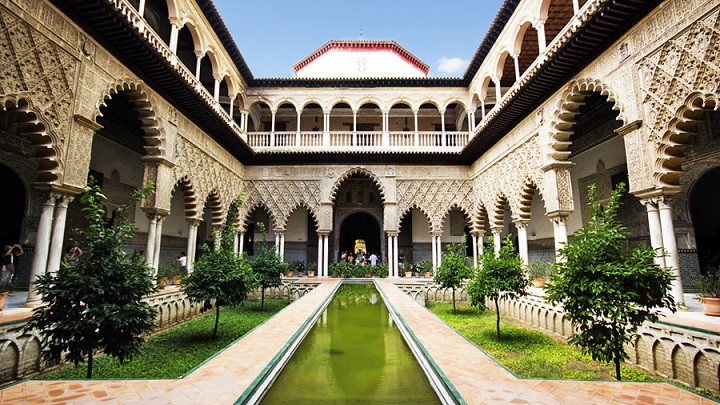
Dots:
pixel 273 35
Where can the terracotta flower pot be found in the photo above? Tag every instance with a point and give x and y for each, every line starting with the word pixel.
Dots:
pixel 311 273
pixel 539 282
pixel 711 306
pixel 2 300
pixel 408 274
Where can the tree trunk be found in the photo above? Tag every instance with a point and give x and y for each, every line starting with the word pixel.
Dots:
pixel 497 323
pixel 617 368
pixel 90 363
pixel 217 319
pixel 454 311
pixel 262 299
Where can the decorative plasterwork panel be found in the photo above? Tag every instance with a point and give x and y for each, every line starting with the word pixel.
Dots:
pixel 435 198
pixel 34 69
pixel 510 176
pixel 281 198
pixel 672 78
pixel 206 175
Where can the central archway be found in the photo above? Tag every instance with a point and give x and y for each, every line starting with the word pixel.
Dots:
pixel 360 225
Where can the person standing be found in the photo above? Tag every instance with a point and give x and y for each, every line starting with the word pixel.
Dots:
pixel 373 259
pixel 9 258
pixel 182 260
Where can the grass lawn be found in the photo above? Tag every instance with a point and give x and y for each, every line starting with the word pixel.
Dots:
pixel 526 352
pixel 174 352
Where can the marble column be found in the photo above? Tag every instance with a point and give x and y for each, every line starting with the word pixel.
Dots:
pixel 241 242
pixel 497 238
pixel 560 233
pixel 326 256
pixel 150 245
pixel 522 241
pixel 158 242
pixel 42 245
pixel 475 248
pixel 672 259
pixel 392 271
pixel 58 233
pixel 656 237
pixel 192 242
pixel 396 257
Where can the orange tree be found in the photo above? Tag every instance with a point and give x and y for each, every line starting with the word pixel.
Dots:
pixel 606 290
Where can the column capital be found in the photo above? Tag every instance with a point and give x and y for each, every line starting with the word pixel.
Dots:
pixel 495 229
pixel 392 233
pixel 437 233
pixel 159 212
pixel 559 220
pixel 193 221
pixel 521 223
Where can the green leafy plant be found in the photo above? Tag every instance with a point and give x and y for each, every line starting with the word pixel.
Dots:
pixel 606 291
pixel 268 267
pixel 710 285
pixel 499 276
pixel 221 277
pixel 541 270
pixel 97 303
pixel 6 287
pixel 381 270
pixel 453 270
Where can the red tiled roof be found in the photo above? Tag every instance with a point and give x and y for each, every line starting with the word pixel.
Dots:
pixel 355 45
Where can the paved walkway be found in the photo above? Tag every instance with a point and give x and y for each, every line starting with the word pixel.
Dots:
pixel 224 378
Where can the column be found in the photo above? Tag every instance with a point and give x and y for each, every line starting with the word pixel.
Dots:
pixel 216 89
pixel 442 126
pixel 542 43
pixel 272 128
pixel 482 107
pixel 158 242
pixel 475 248
pixel 417 131
pixel 277 243
pixel 58 233
pixel 386 129
pixel 150 246
pixel 231 107
pixel 497 238
pixel 392 271
pixel 517 67
pixel 241 243
pixel 282 247
pixel 656 237
pixel 42 244
pixel 576 6
pixel 560 233
pixel 174 32
pixel 235 242
pixel 199 56
pixel 326 129
pixel 354 135
pixel 672 259
pixel 434 252
pixel 396 256
pixel 522 241
pixel 320 263
pixel 191 242
pixel 498 91
pixel 326 256
pixel 471 121
pixel 438 241
pixel 297 132
pixel 141 8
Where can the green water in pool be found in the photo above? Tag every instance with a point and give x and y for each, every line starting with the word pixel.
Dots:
pixel 354 354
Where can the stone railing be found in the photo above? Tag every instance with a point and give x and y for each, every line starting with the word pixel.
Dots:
pixel 20 350
pixel 359 140
pixel 690 356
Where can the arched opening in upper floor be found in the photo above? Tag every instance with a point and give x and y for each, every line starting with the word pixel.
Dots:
pixel 188 47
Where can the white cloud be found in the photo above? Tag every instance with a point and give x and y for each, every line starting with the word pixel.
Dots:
pixel 451 65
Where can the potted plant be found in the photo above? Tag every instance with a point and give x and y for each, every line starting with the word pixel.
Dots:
pixel 381 270
pixel 539 272
pixel 311 269
pixel 710 293
pixel 407 268
pixel 298 266
pixel 424 267
pixel 164 273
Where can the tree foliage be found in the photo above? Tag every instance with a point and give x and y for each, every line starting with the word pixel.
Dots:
pixel 607 291
pixel 97 303
pixel 499 276
pixel 221 277
pixel 453 270
pixel 267 266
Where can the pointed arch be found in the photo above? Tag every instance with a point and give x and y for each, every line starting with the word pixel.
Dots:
pixel 145 107
pixel 568 109
pixel 248 212
pixel 425 213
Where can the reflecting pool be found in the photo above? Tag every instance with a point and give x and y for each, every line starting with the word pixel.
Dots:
pixel 354 354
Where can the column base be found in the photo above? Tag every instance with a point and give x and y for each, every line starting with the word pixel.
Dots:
pixel 32 303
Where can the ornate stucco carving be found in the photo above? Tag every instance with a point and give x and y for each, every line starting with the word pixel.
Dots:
pixel 678 80
pixel 435 198
pixel 281 198
pixel 38 76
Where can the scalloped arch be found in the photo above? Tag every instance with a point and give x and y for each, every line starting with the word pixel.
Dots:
pixel 528 191
pixel 32 125
pixel 246 213
pixel 497 217
pixel 189 196
pixel 305 205
pixel 139 97
pixel 402 215
pixel 357 170
pixel 568 109
pixel 465 210
pixel 676 139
